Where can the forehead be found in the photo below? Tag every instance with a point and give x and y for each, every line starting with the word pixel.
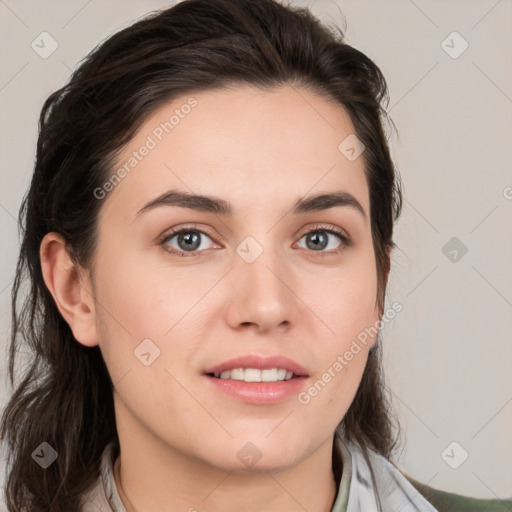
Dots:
pixel 254 148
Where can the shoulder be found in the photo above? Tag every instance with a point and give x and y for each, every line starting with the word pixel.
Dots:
pixel 450 502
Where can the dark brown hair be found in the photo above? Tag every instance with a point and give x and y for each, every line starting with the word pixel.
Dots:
pixel 64 396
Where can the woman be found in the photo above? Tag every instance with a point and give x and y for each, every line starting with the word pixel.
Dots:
pixel 208 235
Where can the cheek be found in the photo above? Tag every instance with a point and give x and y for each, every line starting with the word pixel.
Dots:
pixel 144 300
pixel 350 316
pixel 138 302
pixel 128 316
pixel 346 300
pixel 346 305
pixel 140 348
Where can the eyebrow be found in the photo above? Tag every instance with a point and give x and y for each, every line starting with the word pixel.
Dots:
pixel 211 204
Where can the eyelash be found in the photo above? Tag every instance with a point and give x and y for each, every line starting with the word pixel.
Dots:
pixel 346 242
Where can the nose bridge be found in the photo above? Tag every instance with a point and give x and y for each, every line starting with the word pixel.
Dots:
pixel 260 242
pixel 260 258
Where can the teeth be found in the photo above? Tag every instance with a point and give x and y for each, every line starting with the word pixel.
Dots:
pixel 256 375
pixel 281 373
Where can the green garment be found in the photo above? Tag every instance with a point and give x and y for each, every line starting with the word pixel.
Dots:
pixel 449 502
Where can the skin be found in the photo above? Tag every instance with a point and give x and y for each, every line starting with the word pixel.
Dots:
pixel 179 436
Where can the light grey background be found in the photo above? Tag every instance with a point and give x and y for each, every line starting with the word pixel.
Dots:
pixel 448 353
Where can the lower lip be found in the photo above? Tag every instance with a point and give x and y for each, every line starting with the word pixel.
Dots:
pixel 259 393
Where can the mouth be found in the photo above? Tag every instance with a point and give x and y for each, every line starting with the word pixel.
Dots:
pixel 257 380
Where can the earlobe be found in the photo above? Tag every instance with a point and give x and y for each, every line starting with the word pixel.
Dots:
pixel 70 289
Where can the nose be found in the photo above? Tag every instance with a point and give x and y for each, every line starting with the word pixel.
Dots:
pixel 261 293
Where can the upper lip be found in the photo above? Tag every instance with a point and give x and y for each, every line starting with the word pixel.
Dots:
pixel 260 362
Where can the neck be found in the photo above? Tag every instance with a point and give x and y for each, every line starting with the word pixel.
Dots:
pixel 144 486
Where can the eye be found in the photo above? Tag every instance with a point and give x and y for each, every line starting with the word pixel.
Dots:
pixel 317 239
pixel 187 239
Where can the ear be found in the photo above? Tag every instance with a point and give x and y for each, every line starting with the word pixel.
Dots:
pixel 70 287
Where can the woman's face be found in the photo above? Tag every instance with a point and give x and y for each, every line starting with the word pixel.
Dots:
pixel 171 307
